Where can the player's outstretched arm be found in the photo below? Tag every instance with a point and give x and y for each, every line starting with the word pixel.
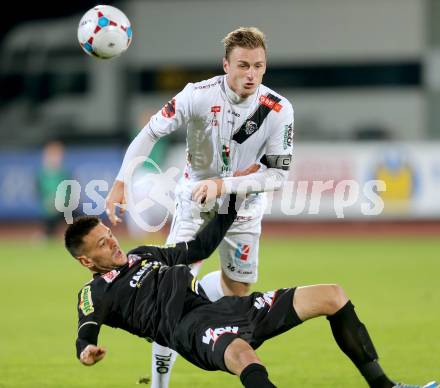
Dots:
pixel 174 115
pixel 140 147
pixel 207 240
pixel 92 354
pixel 204 243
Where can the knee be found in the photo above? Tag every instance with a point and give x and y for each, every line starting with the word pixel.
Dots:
pixel 241 289
pixel 336 298
pixel 232 287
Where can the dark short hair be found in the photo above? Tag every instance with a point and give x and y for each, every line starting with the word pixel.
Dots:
pixel 75 232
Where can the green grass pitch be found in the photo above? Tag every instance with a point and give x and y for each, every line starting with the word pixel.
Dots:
pixel 394 284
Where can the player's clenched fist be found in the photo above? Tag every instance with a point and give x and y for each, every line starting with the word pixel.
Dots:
pixel 92 354
pixel 207 190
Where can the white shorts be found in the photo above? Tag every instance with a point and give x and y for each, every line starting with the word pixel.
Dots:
pixel 239 248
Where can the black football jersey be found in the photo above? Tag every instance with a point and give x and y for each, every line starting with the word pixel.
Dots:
pixel 148 294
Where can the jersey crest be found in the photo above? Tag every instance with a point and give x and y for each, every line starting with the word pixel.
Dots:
pixel 253 123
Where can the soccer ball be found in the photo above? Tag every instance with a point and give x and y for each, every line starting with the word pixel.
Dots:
pixel 104 32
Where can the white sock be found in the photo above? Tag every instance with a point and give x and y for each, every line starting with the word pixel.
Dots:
pixel 212 286
pixel 162 361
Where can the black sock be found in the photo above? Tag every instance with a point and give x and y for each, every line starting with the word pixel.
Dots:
pixel 352 337
pixel 255 376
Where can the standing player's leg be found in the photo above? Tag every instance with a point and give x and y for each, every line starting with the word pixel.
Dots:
pixel 212 286
pixel 239 266
pixel 238 253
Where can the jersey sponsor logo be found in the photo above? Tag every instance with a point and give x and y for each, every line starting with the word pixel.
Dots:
pixel 163 363
pixel 136 280
pixel 242 251
pixel 243 272
pixel 248 129
pixel 266 299
pixel 288 136
pixel 214 334
pixel 85 301
pixel 169 109
pixel 233 113
pixel 110 276
pixel 208 85
pixel 270 103
pixel 216 109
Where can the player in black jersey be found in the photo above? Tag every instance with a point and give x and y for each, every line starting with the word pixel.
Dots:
pixel 150 292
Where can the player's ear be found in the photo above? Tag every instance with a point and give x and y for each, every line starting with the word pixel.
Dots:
pixel 225 65
pixel 85 261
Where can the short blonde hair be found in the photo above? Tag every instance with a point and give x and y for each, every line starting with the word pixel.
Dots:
pixel 245 37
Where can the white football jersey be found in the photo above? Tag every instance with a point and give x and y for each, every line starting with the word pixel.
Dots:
pixel 225 133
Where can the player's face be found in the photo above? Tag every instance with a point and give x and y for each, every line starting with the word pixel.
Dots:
pixel 101 251
pixel 245 68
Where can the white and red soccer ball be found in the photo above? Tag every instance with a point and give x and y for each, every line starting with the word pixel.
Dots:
pixel 104 32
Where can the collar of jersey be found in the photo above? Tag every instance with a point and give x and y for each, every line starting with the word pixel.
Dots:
pixel 234 98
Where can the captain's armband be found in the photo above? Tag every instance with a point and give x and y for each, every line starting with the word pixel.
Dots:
pixel 277 161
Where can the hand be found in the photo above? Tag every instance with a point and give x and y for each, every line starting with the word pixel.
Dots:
pixel 210 189
pixel 115 197
pixel 207 190
pixel 92 354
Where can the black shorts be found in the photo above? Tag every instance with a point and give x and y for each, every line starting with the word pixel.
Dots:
pixel 204 333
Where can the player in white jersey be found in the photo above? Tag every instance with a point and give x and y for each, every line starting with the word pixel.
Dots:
pixel 238 131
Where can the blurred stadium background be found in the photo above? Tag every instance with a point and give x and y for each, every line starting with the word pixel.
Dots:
pixel 364 78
